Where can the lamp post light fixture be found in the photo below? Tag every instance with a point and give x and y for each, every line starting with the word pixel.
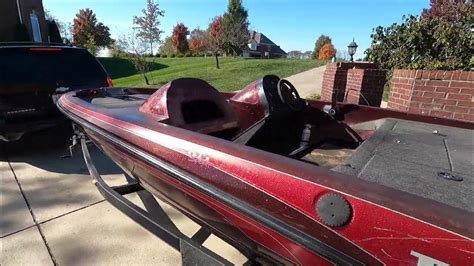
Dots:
pixel 351 49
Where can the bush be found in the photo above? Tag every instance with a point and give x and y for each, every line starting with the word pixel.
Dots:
pixel 316 97
pixel 163 56
pixel 188 54
pixel 424 43
pixel 180 55
pixel 117 53
pixel 172 55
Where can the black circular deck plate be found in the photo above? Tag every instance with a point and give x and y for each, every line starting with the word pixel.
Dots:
pixel 333 210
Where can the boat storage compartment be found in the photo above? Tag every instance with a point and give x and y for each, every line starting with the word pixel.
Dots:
pixel 431 161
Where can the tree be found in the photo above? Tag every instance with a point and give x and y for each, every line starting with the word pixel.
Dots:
pixel 91 45
pixel 235 32
pixel 86 26
pixel 450 10
pixel 215 37
pixel 54 35
pixel 320 42
pixel 424 43
pixel 326 52
pixel 148 25
pixel 166 47
pixel 48 16
pixel 179 38
pixel 136 53
pixel 198 42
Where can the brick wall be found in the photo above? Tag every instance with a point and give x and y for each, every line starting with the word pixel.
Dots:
pixel 350 80
pixel 448 94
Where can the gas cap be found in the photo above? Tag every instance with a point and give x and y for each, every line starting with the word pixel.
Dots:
pixel 333 209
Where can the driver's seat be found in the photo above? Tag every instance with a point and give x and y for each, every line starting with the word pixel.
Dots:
pixel 277 134
pixel 279 131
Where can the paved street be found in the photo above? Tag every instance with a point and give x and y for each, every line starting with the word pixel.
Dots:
pixel 51 213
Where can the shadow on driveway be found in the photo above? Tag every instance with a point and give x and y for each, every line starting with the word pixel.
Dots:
pixel 49 151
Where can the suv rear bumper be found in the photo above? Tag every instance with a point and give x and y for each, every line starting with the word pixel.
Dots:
pixel 14 131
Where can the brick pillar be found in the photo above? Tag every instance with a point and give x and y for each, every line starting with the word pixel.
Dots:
pixel 365 86
pixel 349 80
pixel 334 79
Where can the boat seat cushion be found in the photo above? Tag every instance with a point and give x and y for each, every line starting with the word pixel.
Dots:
pixel 192 104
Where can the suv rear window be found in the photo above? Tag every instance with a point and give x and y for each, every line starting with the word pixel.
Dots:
pixel 49 67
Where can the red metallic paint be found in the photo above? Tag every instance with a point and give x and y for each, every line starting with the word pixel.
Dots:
pixel 382 231
pixel 248 106
pixel 250 228
pixel 157 105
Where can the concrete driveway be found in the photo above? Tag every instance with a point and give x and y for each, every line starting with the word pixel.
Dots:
pixel 308 82
pixel 52 214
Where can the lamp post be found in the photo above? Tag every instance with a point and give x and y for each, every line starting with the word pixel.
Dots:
pixel 351 49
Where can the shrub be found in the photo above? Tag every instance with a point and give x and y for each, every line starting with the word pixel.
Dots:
pixel 163 56
pixel 432 41
pixel 172 55
pixel 314 97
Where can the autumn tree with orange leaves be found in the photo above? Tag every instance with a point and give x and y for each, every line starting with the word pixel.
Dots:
pixel 216 42
pixel 179 38
pixel 326 52
pixel 198 42
pixel 87 30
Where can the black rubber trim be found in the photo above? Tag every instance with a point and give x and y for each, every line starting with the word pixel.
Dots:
pixel 315 245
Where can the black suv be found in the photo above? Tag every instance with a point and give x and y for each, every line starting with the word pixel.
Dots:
pixel 33 76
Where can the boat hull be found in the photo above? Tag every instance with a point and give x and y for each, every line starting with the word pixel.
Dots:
pixel 265 204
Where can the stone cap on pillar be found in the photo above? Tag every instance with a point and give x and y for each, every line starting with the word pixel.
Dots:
pixel 352 65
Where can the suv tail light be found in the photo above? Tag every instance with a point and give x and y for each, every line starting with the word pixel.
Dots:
pixel 109 82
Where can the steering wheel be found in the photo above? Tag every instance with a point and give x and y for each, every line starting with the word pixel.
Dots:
pixel 289 95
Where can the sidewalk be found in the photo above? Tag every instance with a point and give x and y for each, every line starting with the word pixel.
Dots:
pixel 52 214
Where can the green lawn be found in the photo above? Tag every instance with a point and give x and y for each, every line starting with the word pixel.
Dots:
pixel 234 74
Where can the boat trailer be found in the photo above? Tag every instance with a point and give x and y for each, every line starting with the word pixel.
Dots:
pixel 153 218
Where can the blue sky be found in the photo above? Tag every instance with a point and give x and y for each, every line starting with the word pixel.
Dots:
pixel 292 24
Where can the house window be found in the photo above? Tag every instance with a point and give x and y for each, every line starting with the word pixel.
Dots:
pixel 35 28
pixel 253 45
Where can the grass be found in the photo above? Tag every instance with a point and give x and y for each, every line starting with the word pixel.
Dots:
pixel 234 74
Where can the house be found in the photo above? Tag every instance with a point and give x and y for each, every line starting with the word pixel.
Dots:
pixel 18 15
pixel 261 46
pixel 307 55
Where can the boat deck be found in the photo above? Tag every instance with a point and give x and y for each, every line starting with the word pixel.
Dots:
pixel 416 158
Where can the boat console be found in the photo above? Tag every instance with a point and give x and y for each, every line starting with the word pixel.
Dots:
pixel 288 124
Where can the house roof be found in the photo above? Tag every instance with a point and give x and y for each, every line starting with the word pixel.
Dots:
pixel 260 38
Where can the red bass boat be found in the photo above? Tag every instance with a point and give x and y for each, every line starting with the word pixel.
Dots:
pixel 290 181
